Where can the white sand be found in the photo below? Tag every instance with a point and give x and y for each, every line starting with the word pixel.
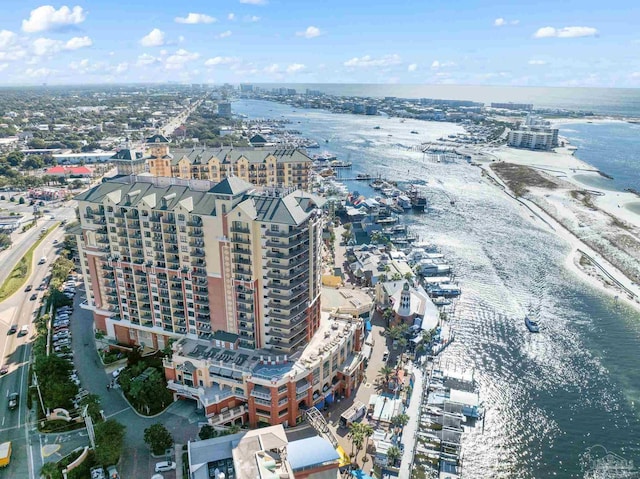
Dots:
pixel 573 220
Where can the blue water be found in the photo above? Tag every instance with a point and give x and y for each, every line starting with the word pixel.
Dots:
pixel 550 396
pixel 613 148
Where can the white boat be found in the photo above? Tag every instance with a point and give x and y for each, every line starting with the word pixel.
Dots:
pixel 404 202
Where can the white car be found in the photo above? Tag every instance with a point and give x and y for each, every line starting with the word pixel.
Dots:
pixel 117 372
pixel 165 466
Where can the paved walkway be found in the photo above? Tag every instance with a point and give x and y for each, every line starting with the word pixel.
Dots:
pixel 409 431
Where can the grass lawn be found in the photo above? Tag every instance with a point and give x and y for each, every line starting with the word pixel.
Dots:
pixel 19 274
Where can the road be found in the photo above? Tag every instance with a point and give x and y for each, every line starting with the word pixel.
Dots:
pixel 15 353
pixel 23 241
pixel 174 123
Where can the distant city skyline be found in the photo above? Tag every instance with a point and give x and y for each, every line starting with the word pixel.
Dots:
pixel 267 41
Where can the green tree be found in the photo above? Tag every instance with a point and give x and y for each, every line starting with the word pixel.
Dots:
pixel 33 162
pixel 109 441
pixel 386 372
pixel 22 201
pixel 50 470
pixel 57 387
pixel 15 158
pixel 158 438
pixel 393 454
pixel 5 241
pixel 400 420
pixel 92 401
pixel 207 432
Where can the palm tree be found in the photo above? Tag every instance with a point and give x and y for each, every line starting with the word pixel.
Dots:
pixel 386 372
pixel 355 434
pixel 400 420
pixel 367 431
pixel 393 454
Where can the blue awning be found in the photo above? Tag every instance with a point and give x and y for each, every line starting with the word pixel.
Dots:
pixel 367 326
pixel 328 398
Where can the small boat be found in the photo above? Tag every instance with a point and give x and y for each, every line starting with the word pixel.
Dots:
pixel 532 325
pixel 414 132
pixel 376 127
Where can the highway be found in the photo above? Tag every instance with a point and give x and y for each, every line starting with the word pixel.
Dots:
pixel 23 241
pixel 19 309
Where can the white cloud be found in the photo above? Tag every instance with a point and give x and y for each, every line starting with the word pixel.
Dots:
pixel 221 61
pixel 254 2
pixel 180 39
pixel 7 38
pixel 3 66
pixel 310 32
pixel 196 18
pixel 224 34
pixel 368 61
pixel 46 46
pixel 565 32
pixel 231 16
pixel 635 75
pixel 179 59
pixel 10 48
pixel 438 64
pixel 78 42
pixel 122 67
pixel 47 17
pixel 295 68
pixel 252 18
pixel 146 59
pixel 273 68
pixel 501 22
pixel 155 38
pixel 413 67
pixel 537 62
pixel 38 72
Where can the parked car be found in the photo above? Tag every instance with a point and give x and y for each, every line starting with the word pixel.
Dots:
pixel 13 400
pixel 4 370
pixel 24 330
pixel 34 296
pixel 28 288
pixel 12 329
pixel 112 472
pixel 165 466
pixel 117 372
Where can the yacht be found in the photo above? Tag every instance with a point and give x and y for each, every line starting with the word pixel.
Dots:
pixel 532 325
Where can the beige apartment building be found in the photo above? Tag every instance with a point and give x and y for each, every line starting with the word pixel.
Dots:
pixel 168 258
pixel 281 167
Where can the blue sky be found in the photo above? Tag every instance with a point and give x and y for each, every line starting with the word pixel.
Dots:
pixel 548 43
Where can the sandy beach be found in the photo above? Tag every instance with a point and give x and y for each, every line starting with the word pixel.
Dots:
pixel 601 225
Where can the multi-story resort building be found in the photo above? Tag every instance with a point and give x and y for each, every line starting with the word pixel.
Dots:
pixel 533 137
pixel 231 273
pixel 282 167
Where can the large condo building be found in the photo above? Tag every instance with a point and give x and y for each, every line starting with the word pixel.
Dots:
pixel 231 273
pixel 282 167
pixel 533 137
pixel 168 258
